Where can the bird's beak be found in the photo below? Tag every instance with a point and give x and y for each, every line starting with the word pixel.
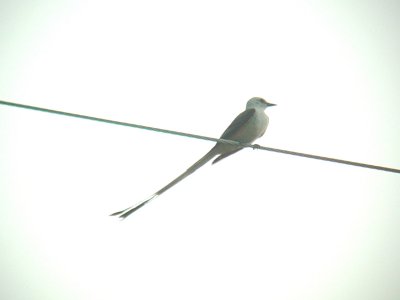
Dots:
pixel 271 104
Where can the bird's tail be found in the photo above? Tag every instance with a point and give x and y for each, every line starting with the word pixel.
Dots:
pixel 127 211
pixel 201 162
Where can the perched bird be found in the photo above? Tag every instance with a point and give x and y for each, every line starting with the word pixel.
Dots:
pixel 245 128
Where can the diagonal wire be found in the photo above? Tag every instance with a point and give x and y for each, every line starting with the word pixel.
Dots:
pixel 190 135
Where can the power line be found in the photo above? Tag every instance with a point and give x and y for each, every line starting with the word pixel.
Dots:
pixel 254 146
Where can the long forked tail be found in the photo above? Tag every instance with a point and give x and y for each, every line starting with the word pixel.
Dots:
pixel 201 162
pixel 126 212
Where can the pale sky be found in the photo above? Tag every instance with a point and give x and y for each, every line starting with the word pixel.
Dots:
pixel 258 225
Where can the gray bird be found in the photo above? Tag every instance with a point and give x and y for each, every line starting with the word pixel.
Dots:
pixel 245 128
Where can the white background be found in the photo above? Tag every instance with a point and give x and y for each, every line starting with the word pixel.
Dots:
pixel 258 225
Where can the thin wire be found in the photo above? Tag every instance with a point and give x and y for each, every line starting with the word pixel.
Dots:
pixel 254 146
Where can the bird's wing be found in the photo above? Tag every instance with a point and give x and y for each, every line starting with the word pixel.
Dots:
pixel 233 131
pixel 238 123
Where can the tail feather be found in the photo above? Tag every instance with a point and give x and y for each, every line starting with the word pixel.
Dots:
pixel 222 156
pixel 126 212
pixel 201 162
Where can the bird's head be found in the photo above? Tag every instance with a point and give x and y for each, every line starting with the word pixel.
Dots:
pixel 257 102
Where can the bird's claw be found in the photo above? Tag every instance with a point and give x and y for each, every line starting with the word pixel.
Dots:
pixel 256 146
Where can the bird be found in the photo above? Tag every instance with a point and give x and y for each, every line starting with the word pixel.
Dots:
pixel 248 126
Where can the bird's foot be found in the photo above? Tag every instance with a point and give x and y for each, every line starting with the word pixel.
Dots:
pixel 256 146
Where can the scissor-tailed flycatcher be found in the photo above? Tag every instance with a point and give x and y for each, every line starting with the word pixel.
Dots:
pixel 245 128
